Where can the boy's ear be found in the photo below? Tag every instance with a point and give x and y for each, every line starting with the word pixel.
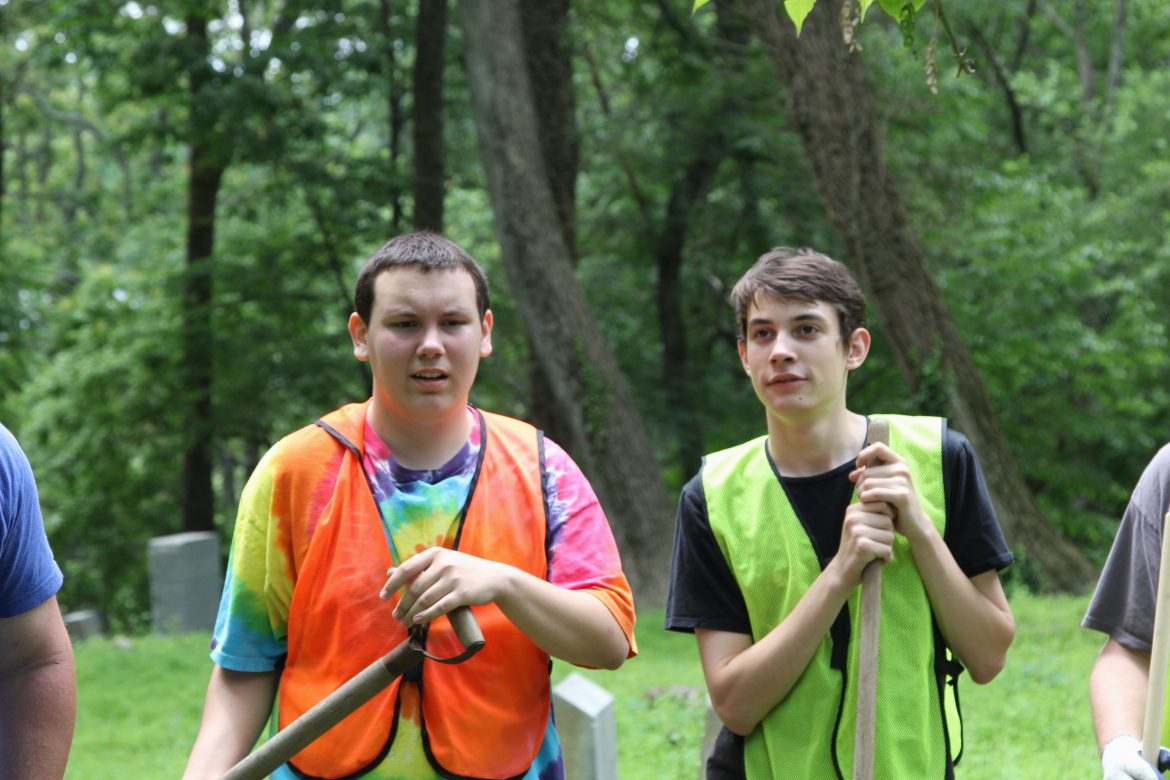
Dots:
pixel 485 344
pixel 858 348
pixel 741 347
pixel 358 333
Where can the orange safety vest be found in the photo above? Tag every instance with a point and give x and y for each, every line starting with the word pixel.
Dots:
pixel 484 718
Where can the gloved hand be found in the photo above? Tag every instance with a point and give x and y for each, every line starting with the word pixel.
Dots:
pixel 1122 760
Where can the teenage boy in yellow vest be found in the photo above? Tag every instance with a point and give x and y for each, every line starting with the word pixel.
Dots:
pixel 1123 607
pixel 390 513
pixel 773 535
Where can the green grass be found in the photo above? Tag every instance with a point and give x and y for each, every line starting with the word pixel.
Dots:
pixel 139 703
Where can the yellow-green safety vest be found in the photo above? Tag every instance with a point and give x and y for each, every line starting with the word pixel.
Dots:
pixel 809 734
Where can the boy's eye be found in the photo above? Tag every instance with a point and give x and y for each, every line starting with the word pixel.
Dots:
pixel 761 333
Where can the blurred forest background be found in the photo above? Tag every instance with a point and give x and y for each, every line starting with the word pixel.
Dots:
pixel 187 188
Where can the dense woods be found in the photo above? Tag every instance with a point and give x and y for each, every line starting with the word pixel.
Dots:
pixel 187 188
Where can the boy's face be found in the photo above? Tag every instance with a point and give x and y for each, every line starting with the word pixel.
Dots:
pixel 795 357
pixel 423 342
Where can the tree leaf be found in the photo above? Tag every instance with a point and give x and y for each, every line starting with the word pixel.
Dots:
pixel 699 4
pixel 894 7
pixel 798 10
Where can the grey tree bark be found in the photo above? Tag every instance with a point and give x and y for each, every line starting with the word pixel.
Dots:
pixel 606 434
pixel 831 105
pixel 550 75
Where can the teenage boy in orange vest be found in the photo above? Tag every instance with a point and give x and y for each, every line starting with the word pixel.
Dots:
pixel 773 536
pixel 389 514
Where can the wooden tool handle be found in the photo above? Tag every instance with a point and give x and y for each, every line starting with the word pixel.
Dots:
pixel 466 628
pixel 354 693
pixel 1159 656
pixel 867 667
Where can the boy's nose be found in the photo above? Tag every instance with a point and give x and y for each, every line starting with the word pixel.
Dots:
pixel 782 350
pixel 432 343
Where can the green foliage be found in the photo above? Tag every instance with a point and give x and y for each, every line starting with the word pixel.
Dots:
pixel 1053 262
pixel 902 11
pixel 1057 290
pixel 101 429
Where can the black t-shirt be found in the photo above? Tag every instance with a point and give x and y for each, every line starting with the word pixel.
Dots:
pixel 704 593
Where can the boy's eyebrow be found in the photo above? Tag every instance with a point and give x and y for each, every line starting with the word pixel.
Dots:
pixel 814 316
pixel 409 311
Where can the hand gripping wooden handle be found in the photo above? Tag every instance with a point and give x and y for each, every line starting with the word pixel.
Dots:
pixel 1159 656
pixel 357 691
pixel 867 667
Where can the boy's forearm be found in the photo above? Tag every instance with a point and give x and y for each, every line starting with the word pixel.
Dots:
pixel 571 625
pixel 746 685
pixel 1117 691
pixel 972 613
pixel 234 712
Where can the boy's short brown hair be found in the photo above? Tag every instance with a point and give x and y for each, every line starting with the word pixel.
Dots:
pixel 424 251
pixel 801 274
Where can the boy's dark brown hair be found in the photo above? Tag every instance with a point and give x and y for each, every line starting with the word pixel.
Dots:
pixel 805 275
pixel 422 250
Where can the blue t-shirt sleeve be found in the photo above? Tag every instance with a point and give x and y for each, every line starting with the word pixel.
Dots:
pixel 28 573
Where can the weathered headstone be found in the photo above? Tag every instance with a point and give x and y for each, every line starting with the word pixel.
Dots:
pixel 83 624
pixel 185 581
pixel 711 727
pixel 587 728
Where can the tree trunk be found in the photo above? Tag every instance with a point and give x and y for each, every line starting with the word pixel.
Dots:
pixel 394 117
pixel 688 190
pixel 206 164
pixel 550 76
pixel 429 173
pixel 607 435
pixel 831 106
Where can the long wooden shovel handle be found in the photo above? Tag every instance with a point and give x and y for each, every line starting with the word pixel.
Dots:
pixel 357 691
pixel 867 666
pixel 1159 656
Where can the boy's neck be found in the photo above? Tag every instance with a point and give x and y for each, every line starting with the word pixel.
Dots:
pixel 807 448
pixel 421 444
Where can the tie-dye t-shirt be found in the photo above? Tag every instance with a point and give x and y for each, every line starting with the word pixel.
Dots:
pixel 419 510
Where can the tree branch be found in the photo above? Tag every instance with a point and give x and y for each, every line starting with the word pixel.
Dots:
pixel 1002 78
pixel 606 111
pixel 1116 59
pixel 1081 46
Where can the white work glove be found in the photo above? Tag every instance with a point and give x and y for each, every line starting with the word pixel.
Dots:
pixel 1122 760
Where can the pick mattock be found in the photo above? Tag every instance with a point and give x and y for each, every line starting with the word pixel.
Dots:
pixel 362 687
pixel 867 664
pixel 1159 656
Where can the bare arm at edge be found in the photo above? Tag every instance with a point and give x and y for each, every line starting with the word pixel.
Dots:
pixel 37 680
pixel 1117 691
pixel 234 712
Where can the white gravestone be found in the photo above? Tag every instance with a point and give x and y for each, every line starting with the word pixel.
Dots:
pixel 587 728
pixel 185 581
